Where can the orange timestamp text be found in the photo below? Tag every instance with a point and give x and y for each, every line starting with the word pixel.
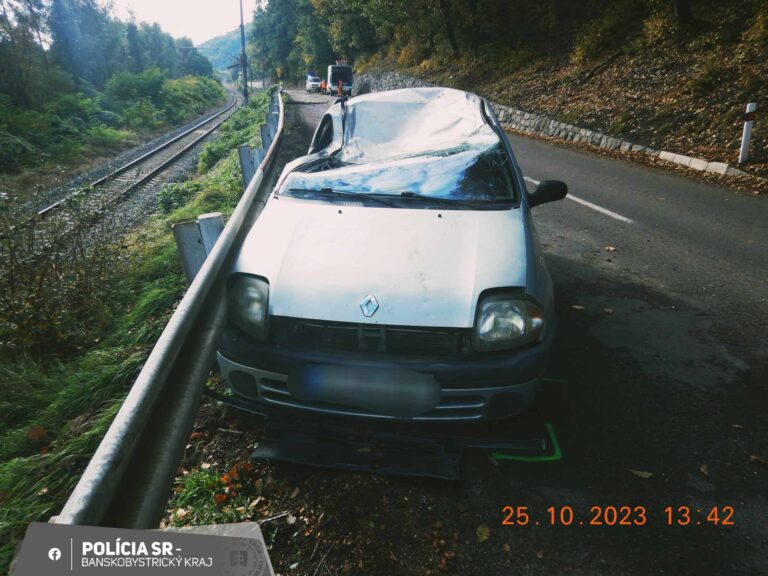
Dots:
pixel 566 515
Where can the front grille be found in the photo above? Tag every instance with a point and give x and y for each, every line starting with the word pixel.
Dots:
pixel 350 337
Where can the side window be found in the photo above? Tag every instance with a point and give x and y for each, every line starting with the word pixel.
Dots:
pixel 323 137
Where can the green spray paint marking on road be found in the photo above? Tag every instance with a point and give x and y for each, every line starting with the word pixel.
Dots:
pixel 556 455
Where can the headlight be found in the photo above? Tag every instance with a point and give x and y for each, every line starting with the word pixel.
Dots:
pixel 506 321
pixel 248 304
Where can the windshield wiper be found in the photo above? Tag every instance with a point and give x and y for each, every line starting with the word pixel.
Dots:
pixel 454 202
pixel 330 192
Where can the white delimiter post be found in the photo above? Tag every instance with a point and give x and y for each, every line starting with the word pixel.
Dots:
pixel 747 134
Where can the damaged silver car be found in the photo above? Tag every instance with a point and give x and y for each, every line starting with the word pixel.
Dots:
pixel 395 272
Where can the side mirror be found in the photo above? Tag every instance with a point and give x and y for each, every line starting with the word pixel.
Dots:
pixel 547 191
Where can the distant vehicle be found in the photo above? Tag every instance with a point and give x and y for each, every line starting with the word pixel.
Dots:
pixel 313 83
pixel 404 278
pixel 339 72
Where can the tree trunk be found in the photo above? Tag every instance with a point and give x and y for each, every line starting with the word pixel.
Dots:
pixel 446 11
pixel 20 94
pixel 684 14
pixel 474 26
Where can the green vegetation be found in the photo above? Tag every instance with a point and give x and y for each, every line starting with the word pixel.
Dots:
pixel 605 65
pixel 60 386
pixel 74 81
pixel 291 36
pixel 73 125
pixel 206 496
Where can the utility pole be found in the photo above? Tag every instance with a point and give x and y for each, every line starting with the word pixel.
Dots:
pixel 243 57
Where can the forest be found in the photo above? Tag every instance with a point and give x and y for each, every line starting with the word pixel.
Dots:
pixel 75 80
pixel 290 36
pixel 670 74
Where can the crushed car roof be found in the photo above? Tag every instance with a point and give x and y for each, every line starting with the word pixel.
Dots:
pixel 412 122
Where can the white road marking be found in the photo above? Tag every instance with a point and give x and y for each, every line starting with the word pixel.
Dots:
pixel 583 202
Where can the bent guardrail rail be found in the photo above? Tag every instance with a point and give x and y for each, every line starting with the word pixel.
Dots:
pixel 128 479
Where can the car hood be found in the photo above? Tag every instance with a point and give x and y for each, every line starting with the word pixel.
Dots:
pixel 424 267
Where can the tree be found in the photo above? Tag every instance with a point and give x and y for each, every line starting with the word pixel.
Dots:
pixel 684 13
pixel 134 47
pixel 191 61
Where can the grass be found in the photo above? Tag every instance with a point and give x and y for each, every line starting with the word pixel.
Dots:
pixel 53 415
pixel 205 496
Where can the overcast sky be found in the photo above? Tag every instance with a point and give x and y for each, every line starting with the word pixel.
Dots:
pixel 200 20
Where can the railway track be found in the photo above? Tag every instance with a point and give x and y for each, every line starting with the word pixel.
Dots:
pixel 86 205
pixel 143 170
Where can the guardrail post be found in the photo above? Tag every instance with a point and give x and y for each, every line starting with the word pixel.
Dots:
pixel 250 159
pixel 258 156
pixel 266 138
pixel 247 167
pixel 211 226
pixel 190 247
pixel 195 240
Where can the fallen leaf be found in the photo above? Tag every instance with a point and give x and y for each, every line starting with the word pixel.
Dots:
pixel 642 473
pixel 295 492
pixel 181 513
pixel 36 433
pixel 483 532
pixel 43 492
pixel 758 459
pixel 220 498
pixel 205 465
pixel 578 307
pixel 291 519
pixel 540 554
pixel 506 548
pixel 608 310
pixel 704 469
pixel 610 249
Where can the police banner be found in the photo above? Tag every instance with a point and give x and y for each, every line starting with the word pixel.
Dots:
pixel 54 549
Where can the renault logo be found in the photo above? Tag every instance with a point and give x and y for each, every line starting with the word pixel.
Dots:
pixel 369 305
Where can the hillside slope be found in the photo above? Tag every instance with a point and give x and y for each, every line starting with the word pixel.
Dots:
pixel 685 93
pixel 222 50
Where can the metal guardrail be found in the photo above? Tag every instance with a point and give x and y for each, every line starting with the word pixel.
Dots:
pixel 127 482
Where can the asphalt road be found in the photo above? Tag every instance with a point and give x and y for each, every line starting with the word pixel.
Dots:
pixel 659 393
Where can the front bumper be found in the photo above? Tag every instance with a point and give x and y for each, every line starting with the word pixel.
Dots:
pixel 485 387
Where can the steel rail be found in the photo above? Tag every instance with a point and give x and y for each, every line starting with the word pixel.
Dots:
pixel 128 479
pixel 166 163
pixel 132 187
pixel 43 213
